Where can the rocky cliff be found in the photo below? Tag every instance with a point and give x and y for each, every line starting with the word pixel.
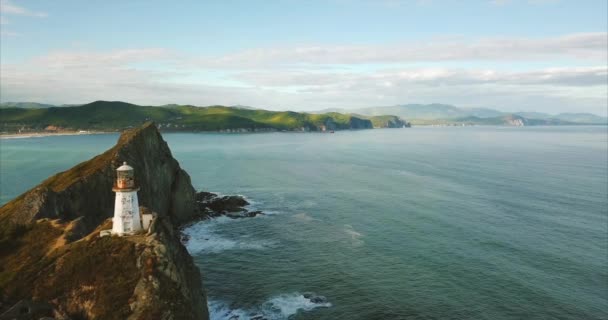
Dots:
pixel 84 192
pixel 357 123
pixel 51 251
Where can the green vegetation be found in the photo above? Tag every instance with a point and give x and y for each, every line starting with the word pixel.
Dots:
pixel 26 258
pixel 443 114
pixel 98 272
pixel 508 119
pixel 25 105
pixel 104 115
pixel 386 121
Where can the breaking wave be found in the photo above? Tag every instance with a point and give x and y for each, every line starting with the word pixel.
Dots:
pixel 355 237
pixel 279 307
pixel 203 237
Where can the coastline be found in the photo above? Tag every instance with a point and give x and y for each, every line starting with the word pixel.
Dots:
pixel 145 276
pixel 48 134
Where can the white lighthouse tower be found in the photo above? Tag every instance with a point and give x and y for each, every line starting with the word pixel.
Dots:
pixel 126 207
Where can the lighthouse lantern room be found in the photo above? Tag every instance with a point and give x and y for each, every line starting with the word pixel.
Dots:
pixel 126 219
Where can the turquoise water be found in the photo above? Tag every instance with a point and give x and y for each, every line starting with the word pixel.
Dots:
pixel 421 223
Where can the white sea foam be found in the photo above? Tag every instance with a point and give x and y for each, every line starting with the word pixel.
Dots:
pixel 221 311
pixel 251 202
pixel 254 205
pixel 267 212
pixel 354 235
pixel 203 237
pixel 304 217
pixel 279 307
pixel 285 305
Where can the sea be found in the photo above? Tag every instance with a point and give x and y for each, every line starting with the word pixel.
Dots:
pixel 421 223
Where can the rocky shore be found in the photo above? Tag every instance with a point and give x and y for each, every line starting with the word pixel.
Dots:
pixel 55 264
pixel 213 205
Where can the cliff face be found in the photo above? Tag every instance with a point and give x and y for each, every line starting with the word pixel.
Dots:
pixel 51 251
pixel 392 122
pixel 515 120
pixel 357 123
pixel 85 191
pixel 170 284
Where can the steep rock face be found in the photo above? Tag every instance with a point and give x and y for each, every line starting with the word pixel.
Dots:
pixel 515 120
pixel 51 251
pixel 395 122
pixel 169 286
pixel 357 123
pixel 330 124
pixel 85 191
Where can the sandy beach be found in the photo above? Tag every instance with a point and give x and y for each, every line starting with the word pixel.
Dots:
pixel 47 134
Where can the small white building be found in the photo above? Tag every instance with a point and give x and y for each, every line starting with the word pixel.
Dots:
pixel 127 219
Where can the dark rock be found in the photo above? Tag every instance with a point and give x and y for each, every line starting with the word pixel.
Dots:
pixel 204 197
pixel 77 230
pixel 358 123
pixel 244 214
pixel 171 282
pixel 254 213
pixel 397 123
pixel 28 309
pixel 318 299
pixel 231 206
pixel 228 203
pixel 314 298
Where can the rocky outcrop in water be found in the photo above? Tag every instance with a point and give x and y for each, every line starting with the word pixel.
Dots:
pixel 212 205
pixel 51 251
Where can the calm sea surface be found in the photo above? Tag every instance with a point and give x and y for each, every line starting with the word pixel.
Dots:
pixel 421 223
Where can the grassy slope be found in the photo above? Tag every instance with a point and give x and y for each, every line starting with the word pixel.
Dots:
pixel 380 121
pixel 118 115
pixel 98 270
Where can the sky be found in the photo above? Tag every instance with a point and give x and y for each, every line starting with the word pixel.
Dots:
pixel 510 55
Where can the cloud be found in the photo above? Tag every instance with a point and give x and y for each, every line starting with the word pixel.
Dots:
pixel 581 77
pixel 500 2
pixel 532 2
pixel 154 76
pixel 81 77
pixel 9 8
pixel 5 33
pixel 117 58
pixel 579 46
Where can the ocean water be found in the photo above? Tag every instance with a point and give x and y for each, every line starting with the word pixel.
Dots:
pixel 420 223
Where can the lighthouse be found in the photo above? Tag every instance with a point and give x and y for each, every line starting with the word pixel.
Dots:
pixel 126 219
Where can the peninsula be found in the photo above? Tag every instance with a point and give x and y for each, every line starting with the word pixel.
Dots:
pixel 55 262
pixel 116 115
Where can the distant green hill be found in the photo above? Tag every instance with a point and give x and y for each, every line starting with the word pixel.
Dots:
pixel 582 118
pixel 25 105
pixel 116 115
pixel 444 114
pixel 510 120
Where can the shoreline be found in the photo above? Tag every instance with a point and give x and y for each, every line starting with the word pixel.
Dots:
pixel 75 133
pixel 48 134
